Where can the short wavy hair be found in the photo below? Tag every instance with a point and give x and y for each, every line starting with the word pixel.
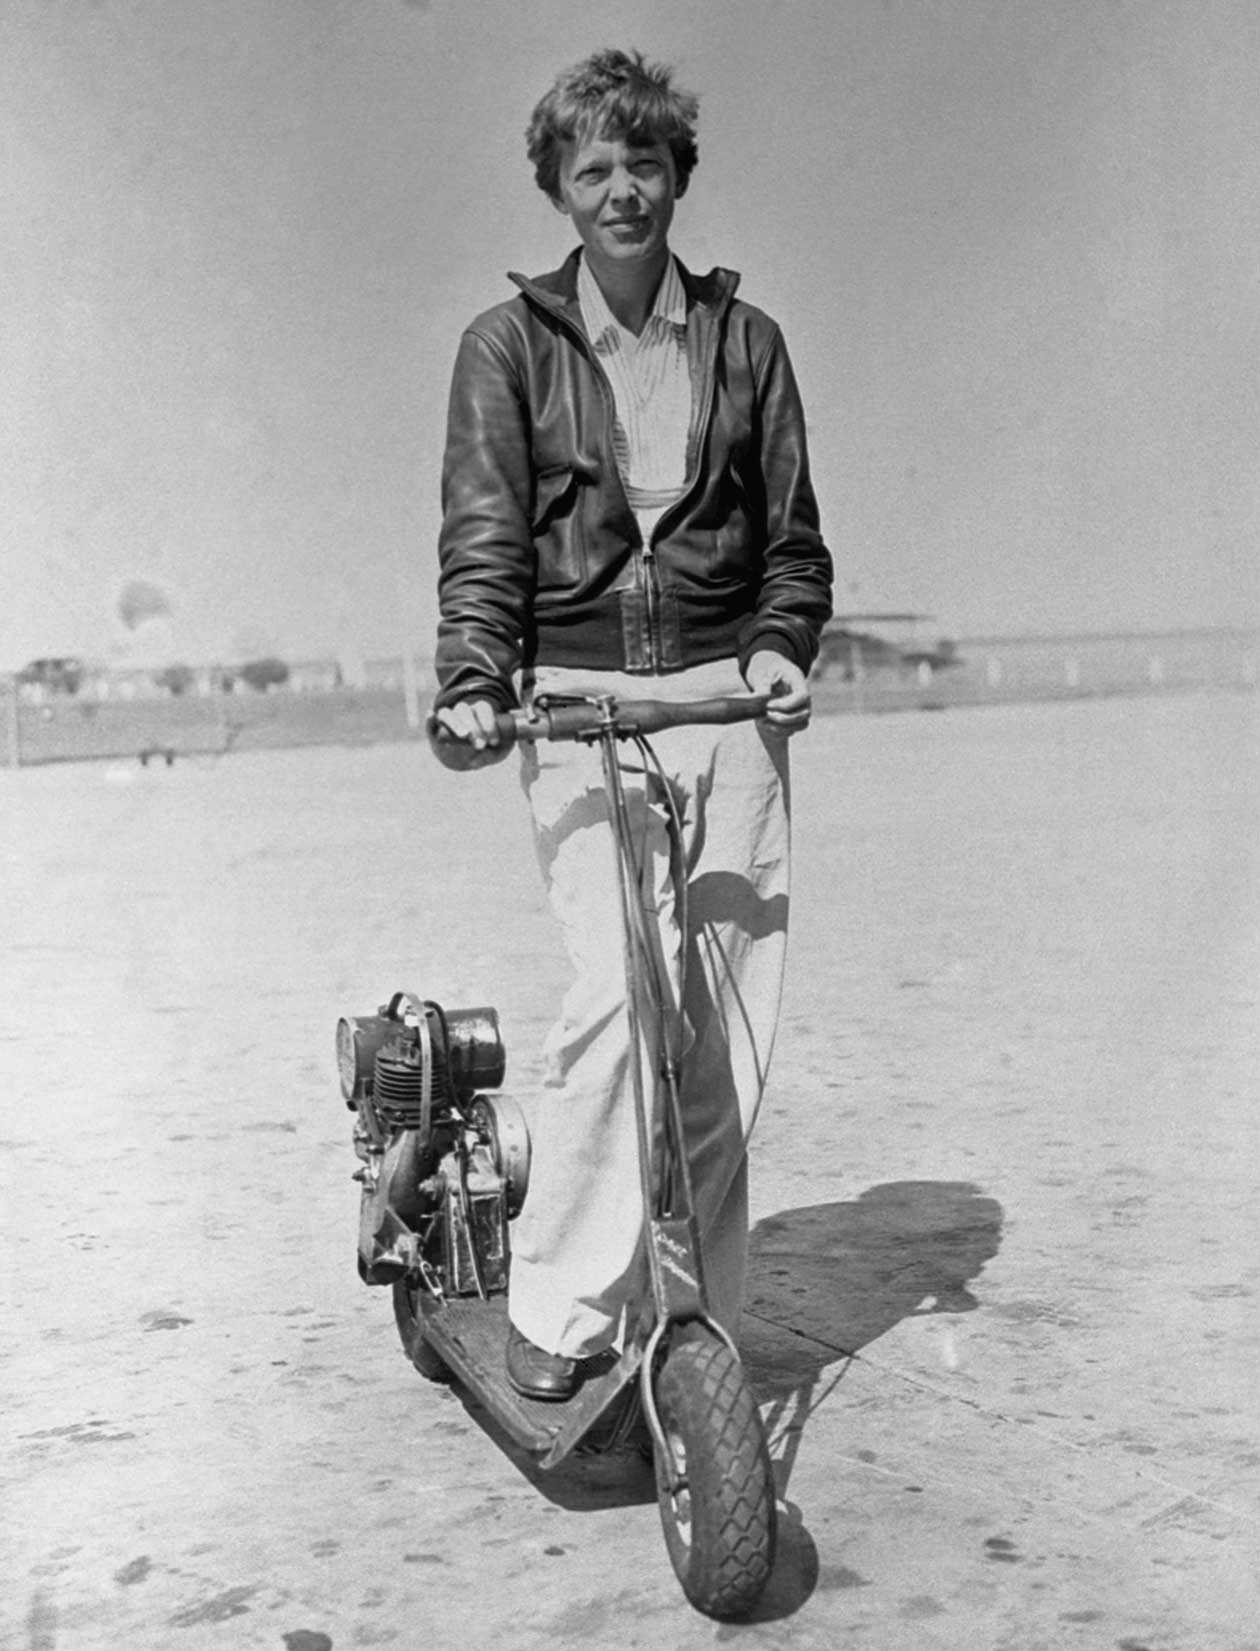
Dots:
pixel 612 94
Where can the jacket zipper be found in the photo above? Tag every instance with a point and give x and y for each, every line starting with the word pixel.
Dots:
pixel 651 591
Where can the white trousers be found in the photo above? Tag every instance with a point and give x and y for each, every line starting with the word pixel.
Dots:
pixel 579 1274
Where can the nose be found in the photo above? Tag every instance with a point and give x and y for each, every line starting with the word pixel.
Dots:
pixel 624 186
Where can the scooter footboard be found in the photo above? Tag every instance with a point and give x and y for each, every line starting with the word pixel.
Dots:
pixel 471 1338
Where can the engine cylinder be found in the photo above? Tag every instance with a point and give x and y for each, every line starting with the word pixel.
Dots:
pixel 398 1083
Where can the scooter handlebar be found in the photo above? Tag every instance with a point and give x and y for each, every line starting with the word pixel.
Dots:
pixel 584 719
pixel 576 719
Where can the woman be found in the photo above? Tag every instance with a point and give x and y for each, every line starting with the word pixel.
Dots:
pixel 627 508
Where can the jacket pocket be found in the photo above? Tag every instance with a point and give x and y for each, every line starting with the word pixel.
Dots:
pixel 554 492
pixel 556 523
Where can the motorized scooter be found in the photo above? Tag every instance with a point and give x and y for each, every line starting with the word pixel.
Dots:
pixel 445 1167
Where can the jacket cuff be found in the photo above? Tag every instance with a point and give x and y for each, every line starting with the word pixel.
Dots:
pixel 499 694
pixel 776 641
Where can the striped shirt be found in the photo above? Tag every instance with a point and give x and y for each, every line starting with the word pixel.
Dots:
pixel 651 385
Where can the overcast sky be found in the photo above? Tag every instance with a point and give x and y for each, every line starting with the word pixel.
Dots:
pixel 1014 249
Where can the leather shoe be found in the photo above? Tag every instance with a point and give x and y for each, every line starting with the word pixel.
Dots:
pixel 535 1374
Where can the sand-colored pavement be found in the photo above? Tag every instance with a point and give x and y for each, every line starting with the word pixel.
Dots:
pixel 1002 1311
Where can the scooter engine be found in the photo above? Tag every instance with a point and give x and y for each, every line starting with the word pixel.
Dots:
pixel 444 1167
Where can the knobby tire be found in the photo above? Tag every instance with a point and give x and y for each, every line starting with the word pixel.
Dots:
pixel 720 1527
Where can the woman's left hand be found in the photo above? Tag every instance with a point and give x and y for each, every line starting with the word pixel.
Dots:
pixel 783 680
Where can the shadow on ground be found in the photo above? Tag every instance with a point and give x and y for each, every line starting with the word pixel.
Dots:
pixel 823 1282
pixel 835 1277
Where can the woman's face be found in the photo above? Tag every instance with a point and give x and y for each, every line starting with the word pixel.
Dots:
pixel 620 197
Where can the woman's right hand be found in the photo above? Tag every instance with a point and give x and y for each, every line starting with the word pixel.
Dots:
pixel 466 735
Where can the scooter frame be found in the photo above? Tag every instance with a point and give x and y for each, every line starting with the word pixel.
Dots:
pixel 467 1335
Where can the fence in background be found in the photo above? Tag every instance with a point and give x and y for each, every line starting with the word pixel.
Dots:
pixel 991 671
pixel 1004 670
pixel 80 728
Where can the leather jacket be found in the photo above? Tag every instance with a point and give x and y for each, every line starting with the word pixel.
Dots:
pixel 542 561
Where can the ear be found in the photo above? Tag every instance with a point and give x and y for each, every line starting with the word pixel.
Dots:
pixel 558 202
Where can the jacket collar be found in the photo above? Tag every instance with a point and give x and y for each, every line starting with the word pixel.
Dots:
pixel 557 291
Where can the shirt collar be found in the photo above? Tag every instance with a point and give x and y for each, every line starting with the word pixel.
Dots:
pixel 669 308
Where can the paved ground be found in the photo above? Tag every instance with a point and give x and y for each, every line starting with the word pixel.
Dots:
pixel 1007 1159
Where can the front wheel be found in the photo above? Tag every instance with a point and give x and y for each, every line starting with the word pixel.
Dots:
pixel 719 1520
pixel 410 1321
